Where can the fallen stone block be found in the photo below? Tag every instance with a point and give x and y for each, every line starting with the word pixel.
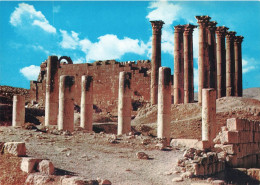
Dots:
pixel 46 167
pixel 234 124
pixel 177 179
pixel 15 148
pixel 229 137
pixel 254 173
pixel 38 179
pixel 218 182
pixel 77 181
pixel 29 164
pixel 178 143
pixel 106 182
pixel 142 155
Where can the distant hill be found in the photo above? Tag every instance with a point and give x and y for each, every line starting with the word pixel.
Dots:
pixel 253 93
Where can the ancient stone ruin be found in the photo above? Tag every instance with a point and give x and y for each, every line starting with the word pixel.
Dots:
pixel 114 87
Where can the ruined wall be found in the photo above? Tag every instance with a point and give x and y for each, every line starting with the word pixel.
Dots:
pixel 105 81
pixel 240 141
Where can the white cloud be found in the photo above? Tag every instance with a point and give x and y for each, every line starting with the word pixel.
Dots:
pixel 26 14
pixel 85 45
pixel 79 60
pixel 196 43
pixel 110 47
pixel 69 41
pixel 165 11
pixel 248 65
pixel 40 48
pixel 31 72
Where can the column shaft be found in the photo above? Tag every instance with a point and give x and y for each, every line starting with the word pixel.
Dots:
pixel 230 67
pixel 124 103
pixel 238 66
pixel 51 96
pixel 164 104
pixel 203 67
pixel 86 108
pixel 156 59
pixel 66 103
pixel 18 116
pixel 188 64
pixel 208 115
pixel 221 61
pixel 178 65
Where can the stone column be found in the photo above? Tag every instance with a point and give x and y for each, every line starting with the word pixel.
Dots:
pixel 212 55
pixel 178 85
pixel 221 61
pixel 203 67
pixel 208 115
pixel 230 63
pixel 188 63
pixel 18 111
pixel 124 103
pixel 66 103
pixel 164 104
pixel 86 108
pixel 238 66
pixel 156 58
pixel 51 101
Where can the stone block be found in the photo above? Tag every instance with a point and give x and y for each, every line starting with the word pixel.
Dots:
pixel 230 149
pixel 229 137
pixel 46 167
pixel 254 173
pixel 73 181
pixel 234 124
pixel 29 164
pixel 218 182
pixel 15 148
pixel 202 145
pixel 38 179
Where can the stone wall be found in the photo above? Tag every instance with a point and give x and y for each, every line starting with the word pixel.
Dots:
pixel 105 82
pixel 240 142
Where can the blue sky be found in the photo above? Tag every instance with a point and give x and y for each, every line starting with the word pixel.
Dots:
pixel 88 31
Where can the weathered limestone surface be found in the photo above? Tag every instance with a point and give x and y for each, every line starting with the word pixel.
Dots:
pixel 18 110
pixel 164 104
pixel 221 61
pixel 124 103
pixel 15 148
pixel 156 58
pixel 208 115
pixel 203 63
pixel 230 63
pixel 46 167
pixel 51 101
pixel 188 63
pixel 86 108
pixel 178 65
pixel 66 103
pixel 238 66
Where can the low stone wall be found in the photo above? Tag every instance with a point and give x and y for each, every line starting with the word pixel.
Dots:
pixel 239 142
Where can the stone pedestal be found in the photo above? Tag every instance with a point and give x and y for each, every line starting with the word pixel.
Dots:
pixel 221 61
pixel 156 58
pixel 164 104
pixel 188 63
pixel 230 63
pixel 208 115
pixel 238 66
pixel 86 108
pixel 66 103
pixel 18 111
pixel 51 101
pixel 203 64
pixel 124 103
pixel 178 65
pixel 212 55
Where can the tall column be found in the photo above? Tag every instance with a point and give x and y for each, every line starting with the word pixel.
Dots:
pixel 188 63
pixel 51 101
pixel 178 85
pixel 86 108
pixel 230 63
pixel 66 103
pixel 238 66
pixel 18 111
pixel 203 67
pixel 156 58
pixel 164 104
pixel 124 103
pixel 221 61
pixel 212 55
pixel 208 115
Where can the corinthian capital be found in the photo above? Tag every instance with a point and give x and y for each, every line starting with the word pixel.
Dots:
pixel 157 26
pixel 203 20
